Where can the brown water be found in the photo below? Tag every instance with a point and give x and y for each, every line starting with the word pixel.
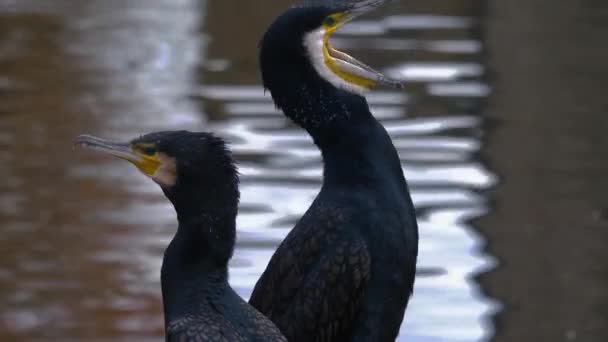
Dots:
pixel 82 236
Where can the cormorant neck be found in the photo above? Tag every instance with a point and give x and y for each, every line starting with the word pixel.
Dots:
pixel 360 153
pixel 195 264
pixel 319 107
pixel 191 274
pixel 354 144
pixel 303 94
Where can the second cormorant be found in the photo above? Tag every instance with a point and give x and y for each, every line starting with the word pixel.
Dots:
pixel 197 174
pixel 346 270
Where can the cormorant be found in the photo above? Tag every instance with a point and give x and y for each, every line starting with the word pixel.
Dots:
pixel 197 174
pixel 346 271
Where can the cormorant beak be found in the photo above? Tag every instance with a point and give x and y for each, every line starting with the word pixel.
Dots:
pixel 357 75
pixel 148 164
pixel 362 7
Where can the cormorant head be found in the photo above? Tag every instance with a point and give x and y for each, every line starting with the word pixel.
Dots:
pixel 195 170
pixel 297 61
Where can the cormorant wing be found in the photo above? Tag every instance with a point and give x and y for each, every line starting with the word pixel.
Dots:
pixel 311 293
pixel 241 324
pixel 202 327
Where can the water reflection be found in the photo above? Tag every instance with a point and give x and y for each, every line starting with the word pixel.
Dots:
pixel 83 235
pixel 70 269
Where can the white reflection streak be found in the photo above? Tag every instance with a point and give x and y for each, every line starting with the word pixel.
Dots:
pixel 435 71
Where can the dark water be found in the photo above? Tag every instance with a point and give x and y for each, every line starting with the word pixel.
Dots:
pixel 82 236
pixel 546 138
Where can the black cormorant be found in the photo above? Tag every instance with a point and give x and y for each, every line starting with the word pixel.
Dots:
pixel 346 271
pixel 197 174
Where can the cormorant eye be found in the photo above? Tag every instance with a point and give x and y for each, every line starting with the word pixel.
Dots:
pixel 147 150
pixel 329 21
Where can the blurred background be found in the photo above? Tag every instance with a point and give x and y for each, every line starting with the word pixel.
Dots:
pixel 501 131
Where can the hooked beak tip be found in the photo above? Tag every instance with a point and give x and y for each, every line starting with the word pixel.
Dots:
pixel 362 7
pixel 82 140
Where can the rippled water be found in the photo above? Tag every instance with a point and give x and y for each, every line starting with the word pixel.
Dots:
pixel 82 236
